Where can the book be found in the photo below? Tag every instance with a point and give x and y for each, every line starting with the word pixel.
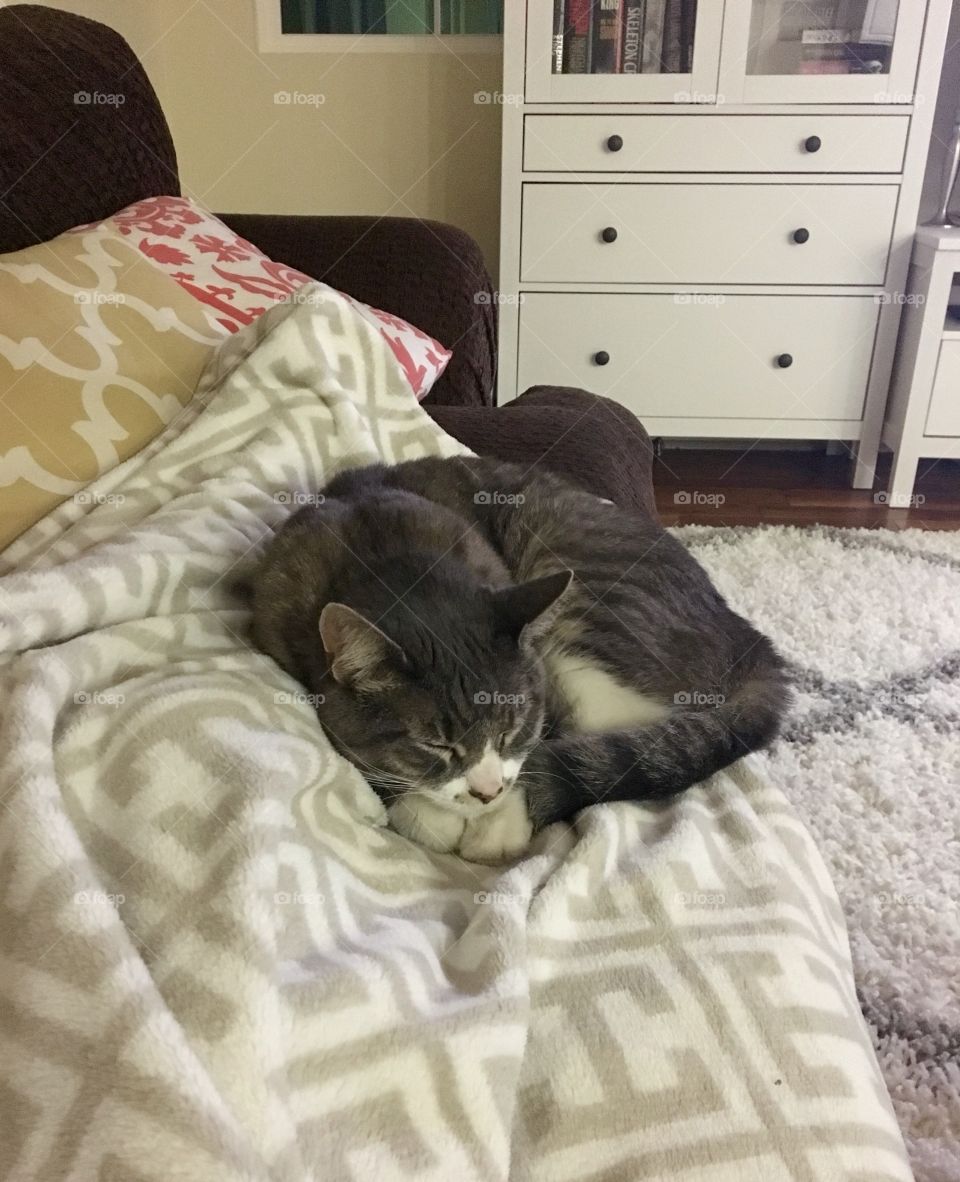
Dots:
pixel 653 29
pixel 556 46
pixel 606 37
pixel 673 39
pixel 631 52
pixel 577 37
pixel 688 20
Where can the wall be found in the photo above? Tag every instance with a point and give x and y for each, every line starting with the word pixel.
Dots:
pixel 397 133
pixel 948 100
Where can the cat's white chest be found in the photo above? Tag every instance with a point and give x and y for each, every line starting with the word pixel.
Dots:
pixel 597 701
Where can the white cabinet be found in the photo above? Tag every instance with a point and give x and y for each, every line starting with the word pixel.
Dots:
pixel 923 416
pixel 739 178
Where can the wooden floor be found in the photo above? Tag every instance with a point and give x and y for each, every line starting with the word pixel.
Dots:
pixel 795 488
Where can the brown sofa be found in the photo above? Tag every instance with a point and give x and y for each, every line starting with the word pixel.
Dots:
pixel 63 163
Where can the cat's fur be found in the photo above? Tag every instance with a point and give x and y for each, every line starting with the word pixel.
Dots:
pixel 430 608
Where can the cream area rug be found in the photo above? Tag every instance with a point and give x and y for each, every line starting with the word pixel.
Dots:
pixel 871 759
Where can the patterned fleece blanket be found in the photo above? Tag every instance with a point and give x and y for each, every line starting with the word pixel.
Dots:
pixel 217 963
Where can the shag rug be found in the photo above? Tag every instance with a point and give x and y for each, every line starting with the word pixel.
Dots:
pixel 870 620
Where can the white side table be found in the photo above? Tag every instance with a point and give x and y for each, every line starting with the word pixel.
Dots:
pixel 923 414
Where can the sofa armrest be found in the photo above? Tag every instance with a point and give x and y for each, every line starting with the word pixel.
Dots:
pixel 428 273
pixel 591 441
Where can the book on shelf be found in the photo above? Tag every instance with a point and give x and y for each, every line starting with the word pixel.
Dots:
pixel 623 36
pixel 653 30
pixel 577 36
pixel 556 46
pixel 607 37
pixel 632 54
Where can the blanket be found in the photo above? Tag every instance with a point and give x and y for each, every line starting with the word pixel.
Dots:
pixel 216 962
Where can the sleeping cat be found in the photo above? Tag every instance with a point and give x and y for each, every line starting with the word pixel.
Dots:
pixel 495 649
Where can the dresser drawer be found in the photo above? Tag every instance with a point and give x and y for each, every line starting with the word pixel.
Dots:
pixel 706 233
pixel 714 143
pixel 708 356
pixel 943 417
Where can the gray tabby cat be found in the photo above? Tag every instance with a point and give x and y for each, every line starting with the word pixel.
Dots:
pixel 496 649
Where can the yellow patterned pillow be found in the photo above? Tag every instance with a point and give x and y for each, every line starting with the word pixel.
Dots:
pixel 99 350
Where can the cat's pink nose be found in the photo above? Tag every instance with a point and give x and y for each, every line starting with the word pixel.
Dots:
pixel 485 779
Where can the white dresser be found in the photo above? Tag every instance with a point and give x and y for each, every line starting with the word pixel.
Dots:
pixel 722 250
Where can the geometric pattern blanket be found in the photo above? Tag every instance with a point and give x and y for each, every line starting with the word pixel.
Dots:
pixel 216 963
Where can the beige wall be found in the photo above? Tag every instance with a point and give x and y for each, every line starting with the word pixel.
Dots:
pixel 397 133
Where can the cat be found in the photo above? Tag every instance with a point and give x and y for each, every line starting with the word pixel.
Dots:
pixel 496 649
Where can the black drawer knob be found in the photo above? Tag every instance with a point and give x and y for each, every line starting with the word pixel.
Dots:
pixel 615 143
pixel 609 234
pixel 802 235
pixel 601 358
pixel 813 143
pixel 784 361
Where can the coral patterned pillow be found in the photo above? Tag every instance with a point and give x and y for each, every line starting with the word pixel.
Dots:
pixel 238 282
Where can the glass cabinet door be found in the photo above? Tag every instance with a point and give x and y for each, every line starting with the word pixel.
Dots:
pixel 821 51
pixel 628 51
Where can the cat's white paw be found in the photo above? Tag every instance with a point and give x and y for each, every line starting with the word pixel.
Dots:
pixel 425 823
pixel 500 834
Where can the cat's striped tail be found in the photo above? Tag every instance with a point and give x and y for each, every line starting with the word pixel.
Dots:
pixel 565 775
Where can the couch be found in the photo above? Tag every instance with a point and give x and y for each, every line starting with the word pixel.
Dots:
pixel 63 164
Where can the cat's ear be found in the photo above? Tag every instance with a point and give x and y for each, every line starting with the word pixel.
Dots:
pixel 361 656
pixel 523 603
